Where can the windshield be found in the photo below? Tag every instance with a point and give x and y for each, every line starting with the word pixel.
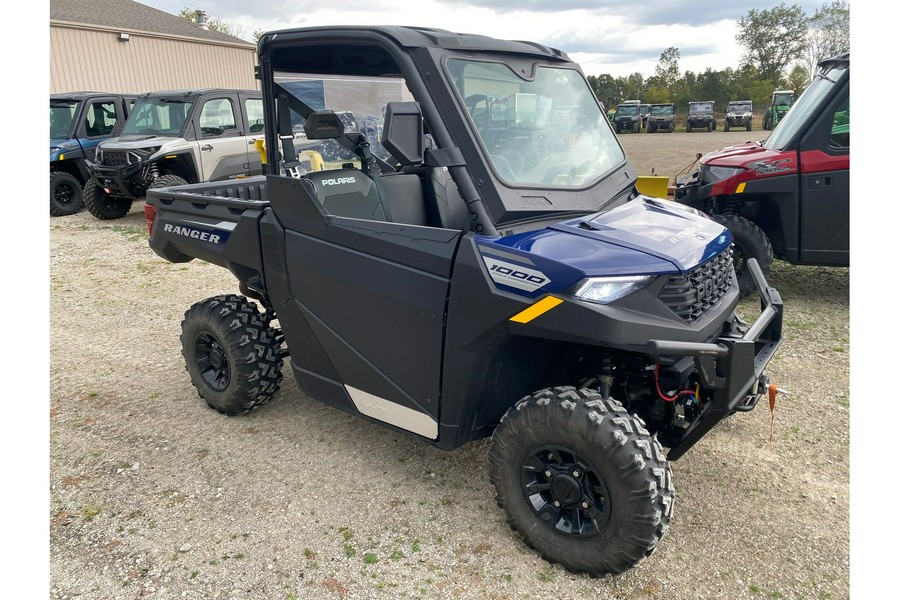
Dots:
pixel 548 130
pixel 157 116
pixel 806 105
pixel 661 111
pixel 62 112
pixel 701 107
pixel 743 107
pixel 785 99
pixel 628 110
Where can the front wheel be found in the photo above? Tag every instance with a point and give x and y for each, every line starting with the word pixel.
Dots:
pixel 167 181
pixel 582 480
pixel 102 205
pixel 749 242
pixel 231 354
pixel 672 127
pixel 65 194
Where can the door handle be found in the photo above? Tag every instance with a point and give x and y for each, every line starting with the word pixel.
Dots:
pixel 251 142
pixel 820 182
pixel 206 148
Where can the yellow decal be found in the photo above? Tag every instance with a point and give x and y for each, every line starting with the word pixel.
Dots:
pixel 536 309
pixel 740 187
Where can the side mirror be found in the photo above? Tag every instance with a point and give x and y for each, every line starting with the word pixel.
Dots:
pixel 403 134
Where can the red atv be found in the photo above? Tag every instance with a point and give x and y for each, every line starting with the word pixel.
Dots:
pixel 787 197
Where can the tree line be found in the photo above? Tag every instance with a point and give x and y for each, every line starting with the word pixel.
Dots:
pixel 782 46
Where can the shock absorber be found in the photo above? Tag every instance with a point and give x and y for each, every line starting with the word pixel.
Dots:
pixel 151 173
pixel 730 206
pixel 605 374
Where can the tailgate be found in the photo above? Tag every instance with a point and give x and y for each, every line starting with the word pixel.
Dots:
pixel 215 222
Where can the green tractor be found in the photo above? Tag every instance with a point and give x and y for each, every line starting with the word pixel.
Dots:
pixel 782 100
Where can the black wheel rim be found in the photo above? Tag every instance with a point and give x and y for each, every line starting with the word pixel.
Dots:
pixel 212 362
pixel 111 203
pixel 565 491
pixel 64 194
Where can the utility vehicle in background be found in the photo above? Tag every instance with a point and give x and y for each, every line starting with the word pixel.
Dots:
pixel 701 114
pixel 496 273
pixel 781 103
pixel 79 121
pixel 739 114
pixel 628 116
pixel 787 197
pixel 661 117
pixel 172 138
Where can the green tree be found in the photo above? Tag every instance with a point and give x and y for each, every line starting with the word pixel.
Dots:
pixel 667 67
pixel 605 88
pixel 215 24
pixel 631 87
pixel 798 79
pixel 829 34
pixel 772 39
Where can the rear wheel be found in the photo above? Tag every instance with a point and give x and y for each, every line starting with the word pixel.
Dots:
pixel 102 205
pixel 231 354
pixel 66 196
pixel 749 242
pixel 582 480
pixel 688 127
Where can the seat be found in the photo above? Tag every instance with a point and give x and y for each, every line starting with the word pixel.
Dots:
pixel 348 193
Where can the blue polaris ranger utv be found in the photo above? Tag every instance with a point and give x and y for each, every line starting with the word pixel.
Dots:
pixel 496 274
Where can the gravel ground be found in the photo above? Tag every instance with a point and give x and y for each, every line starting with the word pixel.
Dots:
pixel 152 494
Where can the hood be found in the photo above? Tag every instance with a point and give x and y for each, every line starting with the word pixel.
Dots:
pixel 137 142
pixel 740 155
pixel 63 145
pixel 667 231
pixel 647 236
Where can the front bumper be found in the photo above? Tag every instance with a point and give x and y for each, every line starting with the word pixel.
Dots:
pixel 733 367
pixel 121 181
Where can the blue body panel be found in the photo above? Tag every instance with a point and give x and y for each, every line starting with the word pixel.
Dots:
pixel 647 236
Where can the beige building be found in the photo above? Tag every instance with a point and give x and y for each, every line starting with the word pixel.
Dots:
pixel 127 47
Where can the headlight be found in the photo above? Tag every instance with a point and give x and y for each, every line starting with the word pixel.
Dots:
pixel 604 290
pixel 719 173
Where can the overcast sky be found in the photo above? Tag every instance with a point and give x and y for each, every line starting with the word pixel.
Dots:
pixel 603 36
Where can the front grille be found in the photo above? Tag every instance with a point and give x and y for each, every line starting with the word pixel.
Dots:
pixel 114 159
pixel 692 295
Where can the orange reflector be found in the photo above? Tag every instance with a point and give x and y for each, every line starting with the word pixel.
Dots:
pixel 536 309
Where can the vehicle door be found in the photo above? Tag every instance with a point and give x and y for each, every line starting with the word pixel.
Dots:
pixel 371 286
pixel 825 186
pixel 101 118
pixel 253 114
pixel 223 144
